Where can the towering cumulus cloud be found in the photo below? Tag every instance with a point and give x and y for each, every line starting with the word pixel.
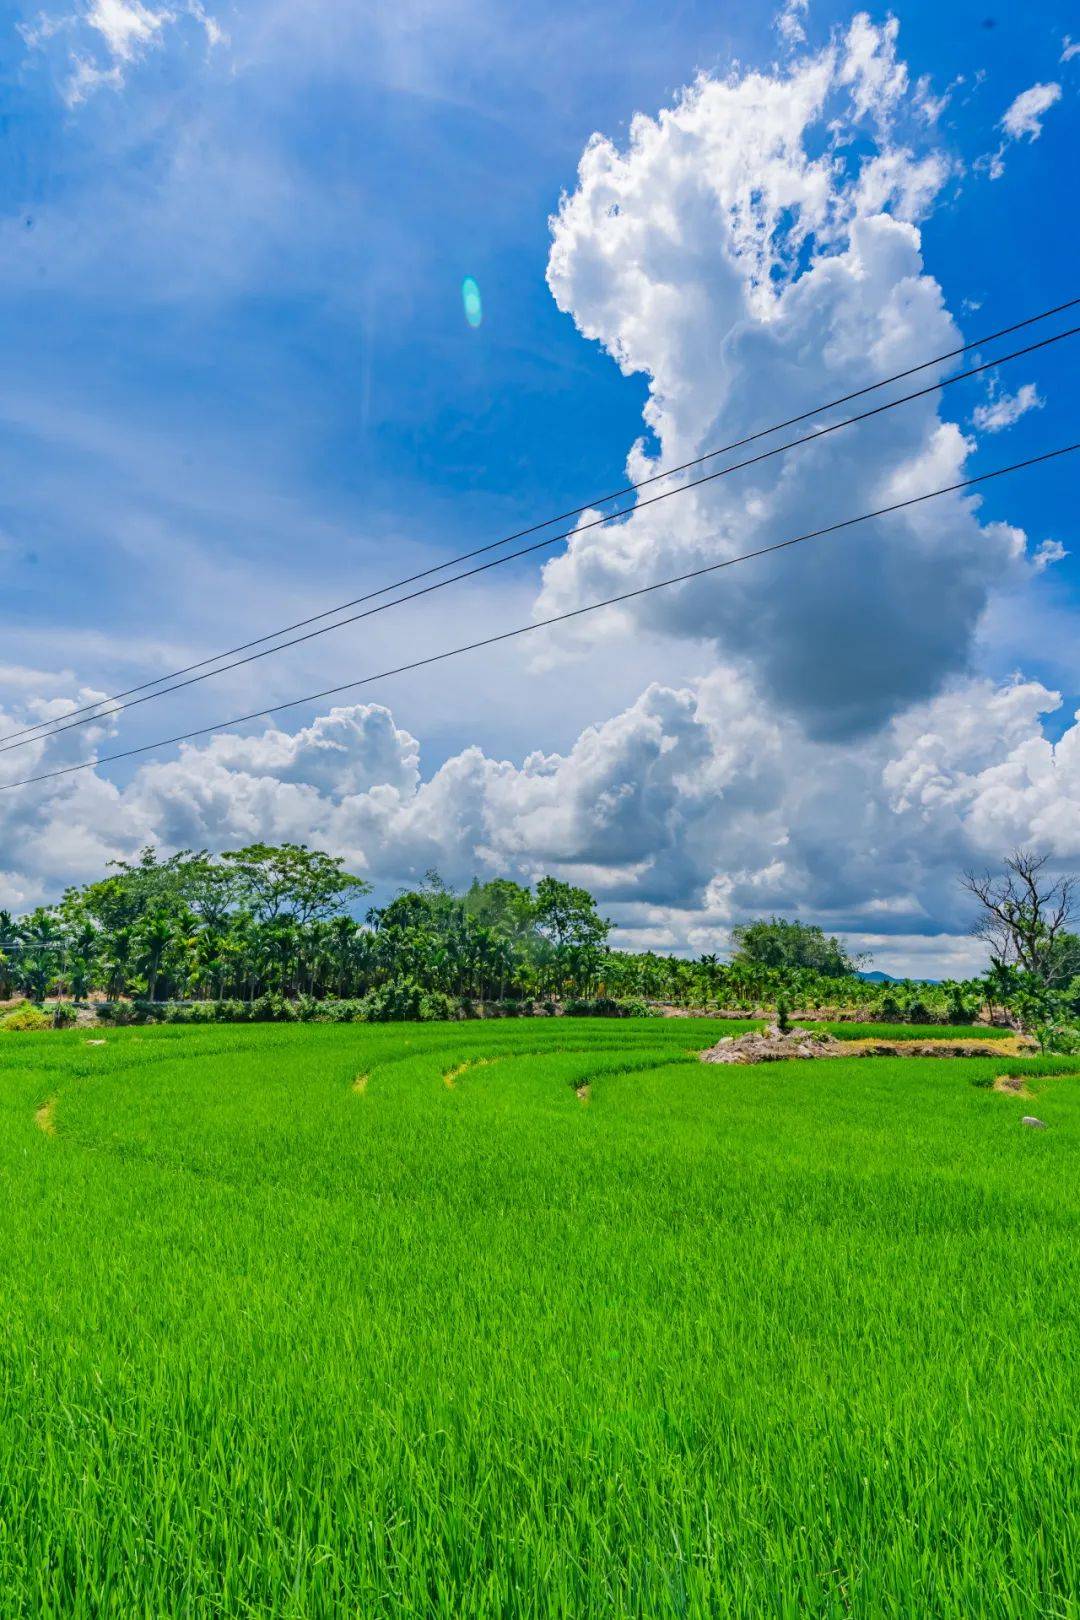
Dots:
pixel 740 256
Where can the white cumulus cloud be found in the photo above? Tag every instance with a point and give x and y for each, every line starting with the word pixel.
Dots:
pixel 694 807
pixel 1003 410
pixel 1046 553
pixel 732 259
pixel 1024 115
pixel 825 749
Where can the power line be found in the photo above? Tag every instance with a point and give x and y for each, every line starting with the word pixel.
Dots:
pixel 94 709
pixel 20 740
pixel 543 624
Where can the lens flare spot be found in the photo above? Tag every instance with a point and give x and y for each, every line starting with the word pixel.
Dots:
pixel 470 297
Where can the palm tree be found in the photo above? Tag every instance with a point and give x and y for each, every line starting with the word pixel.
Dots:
pixel 345 945
pixel 117 961
pixel 275 953
pixel 7 940
pixel 155 934
pixel 82 946
pixel 42 949
pixel 1001 983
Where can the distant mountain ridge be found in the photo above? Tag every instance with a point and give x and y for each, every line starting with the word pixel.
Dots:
pixel 877 977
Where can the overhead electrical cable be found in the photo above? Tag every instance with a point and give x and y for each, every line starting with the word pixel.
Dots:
pixel 542 624
pixel 70 723
pixel 99 709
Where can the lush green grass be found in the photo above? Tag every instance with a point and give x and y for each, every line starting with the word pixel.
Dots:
pixel 882 1032
pixel 780 1341
pixel 914 1032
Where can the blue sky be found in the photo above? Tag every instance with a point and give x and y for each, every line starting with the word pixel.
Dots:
pixel 240 385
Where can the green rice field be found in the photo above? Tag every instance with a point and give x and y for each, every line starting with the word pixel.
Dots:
pixel 532 1319
pixel 913 1032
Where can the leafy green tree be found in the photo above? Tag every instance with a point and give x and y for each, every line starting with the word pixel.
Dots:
pixel 1064 959
pixel 780 943
pixel 290 880
pixel 567 919
pixel 505 906
pixel 276 920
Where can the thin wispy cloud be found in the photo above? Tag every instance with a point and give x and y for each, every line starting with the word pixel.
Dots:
pixel 102 43
pixel 790 23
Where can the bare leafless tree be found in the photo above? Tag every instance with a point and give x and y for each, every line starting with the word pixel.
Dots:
pixel 1024 915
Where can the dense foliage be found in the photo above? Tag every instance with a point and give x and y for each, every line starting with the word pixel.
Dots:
pixel 780 943
pixel 269 932
pixel 270 921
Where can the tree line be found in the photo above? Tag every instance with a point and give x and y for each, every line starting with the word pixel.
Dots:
pixel 272 927
pixel 278 920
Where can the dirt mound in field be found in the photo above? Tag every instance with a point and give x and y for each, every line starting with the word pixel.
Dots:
pixel 773 1046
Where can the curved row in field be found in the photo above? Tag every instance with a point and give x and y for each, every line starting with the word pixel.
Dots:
pixel 792 1339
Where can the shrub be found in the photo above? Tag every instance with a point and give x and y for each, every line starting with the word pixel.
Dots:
pixel 1061 1038
pixel 195 1012
pixel 605 1007
pixel 436 1005
pixel 406 1000
pixel 230 1010
pixel 273 1008
pixel 399 1000
pixel 121 1013
pixel 24 1019
pixel 343 1010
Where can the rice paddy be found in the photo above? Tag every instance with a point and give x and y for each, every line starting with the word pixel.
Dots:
pixel 915 1032
pixel 532 1319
